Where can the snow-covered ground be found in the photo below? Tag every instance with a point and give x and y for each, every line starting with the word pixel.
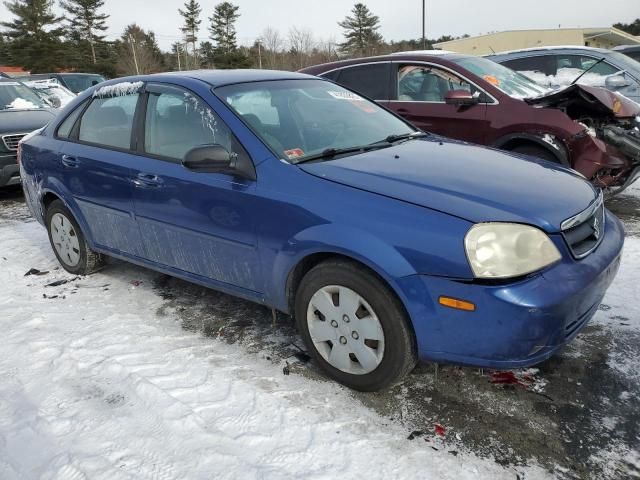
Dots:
pixel 96 384
pixel 99 380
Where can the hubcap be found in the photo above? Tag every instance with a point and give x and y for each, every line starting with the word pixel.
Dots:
pixel 65 239
pixel 345 330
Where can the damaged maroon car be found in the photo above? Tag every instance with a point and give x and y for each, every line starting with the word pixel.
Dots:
pixel 590 129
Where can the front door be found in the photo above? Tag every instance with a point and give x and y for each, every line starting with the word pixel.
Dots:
pixel 200 223
pixel 419 97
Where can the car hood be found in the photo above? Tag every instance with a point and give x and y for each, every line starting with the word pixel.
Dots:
pixel 23 121
pixel 593 99
pixel 474 183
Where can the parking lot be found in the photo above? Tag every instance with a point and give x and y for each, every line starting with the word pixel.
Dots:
pixel 576 415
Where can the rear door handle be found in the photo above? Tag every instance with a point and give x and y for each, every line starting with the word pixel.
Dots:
pixel 70 162
pixel 147 180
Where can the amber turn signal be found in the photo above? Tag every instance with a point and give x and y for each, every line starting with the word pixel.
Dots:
pixel 457 304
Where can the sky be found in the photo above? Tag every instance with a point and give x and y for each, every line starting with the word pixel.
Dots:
pixel 400 19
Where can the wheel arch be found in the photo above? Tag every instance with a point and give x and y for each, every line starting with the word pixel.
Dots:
pixel 312 260
pixel 552 144
pixel 50 194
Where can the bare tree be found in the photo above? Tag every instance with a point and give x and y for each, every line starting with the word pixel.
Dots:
pixel 301 46
pixel 273 45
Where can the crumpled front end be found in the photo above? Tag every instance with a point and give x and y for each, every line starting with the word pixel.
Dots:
pixel 607 151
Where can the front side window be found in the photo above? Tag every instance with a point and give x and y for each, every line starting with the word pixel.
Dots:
pixel 108 121
pixel 302 118
pixel 570 67
pixel 177 121
pixel 423 83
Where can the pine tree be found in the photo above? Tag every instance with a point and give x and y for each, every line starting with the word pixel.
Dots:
pixel 138 52
pixel 86 22
pixel 361 36
pixel 34 34
pixel 191 26
pixel 223 29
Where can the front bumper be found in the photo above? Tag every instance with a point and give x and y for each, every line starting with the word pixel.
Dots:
pixel 9 170
pixel 517 324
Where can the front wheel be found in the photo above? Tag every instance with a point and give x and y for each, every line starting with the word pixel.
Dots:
pixel 354 327
pixel 68 242
pixel 535 151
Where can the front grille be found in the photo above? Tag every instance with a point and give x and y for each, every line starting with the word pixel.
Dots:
pixel 584 232
pixel 11 141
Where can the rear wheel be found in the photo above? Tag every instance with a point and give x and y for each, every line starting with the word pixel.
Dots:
pixel 354 327
pixel 535 151
pixel 68 241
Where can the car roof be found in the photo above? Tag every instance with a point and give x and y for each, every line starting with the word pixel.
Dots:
pixel 551 49
pixel 218 78
pixel 416 55
pixel 627 48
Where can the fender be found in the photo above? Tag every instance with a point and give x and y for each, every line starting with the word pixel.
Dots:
pixel 54 186
pixel 548 141
pixel 382 258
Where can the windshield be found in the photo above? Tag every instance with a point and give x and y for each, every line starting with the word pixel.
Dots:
pixel 510 82
pixel 16 96
pixel 51 91
pixel 302 118
pixel 79 83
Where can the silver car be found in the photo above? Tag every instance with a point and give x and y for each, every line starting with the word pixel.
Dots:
pixel 558 67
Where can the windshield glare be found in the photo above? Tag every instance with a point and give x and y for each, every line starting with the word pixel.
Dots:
pixel 16 96
pixel 300 118
pixel 510 82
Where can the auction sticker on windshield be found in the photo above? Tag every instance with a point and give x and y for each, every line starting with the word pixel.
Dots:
pixel 345 96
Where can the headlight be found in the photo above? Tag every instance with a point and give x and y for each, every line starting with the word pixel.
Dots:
pixel 503 250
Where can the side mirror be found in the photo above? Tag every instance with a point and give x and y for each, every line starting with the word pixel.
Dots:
pixel 618 80
pixel 209 159
pixel 55 102
pixel 460 97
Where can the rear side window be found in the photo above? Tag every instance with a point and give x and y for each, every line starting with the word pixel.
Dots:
pixel 370 80
pixel 109 121
pixel 65 128
pixel 538 64
pixel 177 121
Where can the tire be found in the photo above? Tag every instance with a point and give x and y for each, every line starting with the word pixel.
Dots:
pixel 70 246
pixel 386 359
pixel 535 151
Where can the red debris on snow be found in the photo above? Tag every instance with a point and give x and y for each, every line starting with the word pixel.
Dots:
pixel 136 283
pixel 440 430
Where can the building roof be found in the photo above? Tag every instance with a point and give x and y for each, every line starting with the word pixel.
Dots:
pixel 611 34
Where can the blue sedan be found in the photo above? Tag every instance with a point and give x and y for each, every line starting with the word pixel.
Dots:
pixel 388 245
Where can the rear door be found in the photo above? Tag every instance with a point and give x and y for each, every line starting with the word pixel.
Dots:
pixel 95 166
pixel 200 223
pixel 418 94
pixel 373 80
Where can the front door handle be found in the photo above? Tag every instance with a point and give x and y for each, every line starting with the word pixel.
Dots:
pixel 70 162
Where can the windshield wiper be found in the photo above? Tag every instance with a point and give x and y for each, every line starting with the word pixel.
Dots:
pixel 403 136
pixel 332 152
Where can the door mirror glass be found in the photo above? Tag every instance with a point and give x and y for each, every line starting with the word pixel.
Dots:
pixel 460 97
pixel 617 81
pixel 209 159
